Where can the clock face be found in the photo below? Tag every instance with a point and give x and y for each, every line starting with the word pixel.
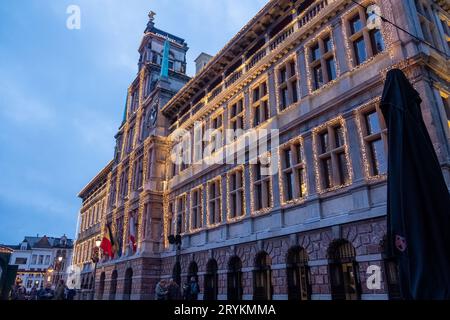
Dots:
pixel 154 114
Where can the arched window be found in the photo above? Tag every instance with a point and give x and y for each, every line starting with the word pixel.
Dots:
pixel 343 271
pixel 192 271
pixel 211 280
pixel 176 273
pixel 128 284
pixel 101 288
pixel 234 279
pixel 262 277
pixel 113 286
pixel 297 271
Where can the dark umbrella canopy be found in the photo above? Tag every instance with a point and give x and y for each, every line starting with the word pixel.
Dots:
pixel 418 204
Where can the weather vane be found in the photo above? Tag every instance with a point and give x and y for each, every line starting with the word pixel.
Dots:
pixel 151 16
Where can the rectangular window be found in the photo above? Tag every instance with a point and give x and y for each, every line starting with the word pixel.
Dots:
pixel 332 156
pixel 138 173
pixel 130 139
pixel 237 117
pixel 20 261
pixel 214 202
pixel 260 105
pixel 217 133
pixel 427 24
pixel 287 84
pixel 34 259
pixel 262 189
pixel 323 65
pixel 293 172
pixel 196 209
pixel 181 214
pixel 171 222
pixel 365 43
pixel 375 140
pixel 236 194
pixel 41 259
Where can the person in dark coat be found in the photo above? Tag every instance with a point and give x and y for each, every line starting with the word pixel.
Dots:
pixel 194 289
pixel 47 293
pixel 18 291
pixel 173 290
pixel 60 291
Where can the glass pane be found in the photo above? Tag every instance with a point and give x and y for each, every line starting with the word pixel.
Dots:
pixel 282 75
pixel 287 158
pixel 328 45
pixel 318 77
pixel 343 169
pixel 372 123
pixel 327 173
pixel 356 24
pixel 377 41
pixel 339 136
pixel 315 52
pixel 378 158
pixel 324 142
pixel 360 50
pixel 288 186
pixel 294 91
pixel 331 68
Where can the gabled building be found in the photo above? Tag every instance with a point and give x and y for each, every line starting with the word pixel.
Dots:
pixel 35 256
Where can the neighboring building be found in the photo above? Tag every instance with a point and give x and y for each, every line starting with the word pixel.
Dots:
pixel 315 71
pixel 7 272
pixel 37 259
pixel 92 214
pixel 201 61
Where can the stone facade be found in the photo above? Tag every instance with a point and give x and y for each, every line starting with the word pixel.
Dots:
pixel 315 72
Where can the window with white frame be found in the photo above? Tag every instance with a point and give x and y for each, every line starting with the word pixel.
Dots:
pixel 171 220
pixel 236 116
pixel 293 171
pixel 375 140
pixel 214 201
pixel 332 156
pixel 322 61
pixel 181 213
pixel 287 81
pixel 262 184
pixel 236 201
pixel 364 43
pixel 216 138
pixel 260 103
pixel 196 209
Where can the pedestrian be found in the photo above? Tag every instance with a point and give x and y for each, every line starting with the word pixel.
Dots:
pixel 186 291
pixel 194 289
pixel 173 290
pixel 47 293
pixel 18 291
pixel 60 291
pixel 34 293
pixel 160 290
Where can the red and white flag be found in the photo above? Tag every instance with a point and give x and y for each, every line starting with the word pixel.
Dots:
pixel 132 237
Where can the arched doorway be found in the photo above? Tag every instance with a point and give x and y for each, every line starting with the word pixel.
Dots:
pixel 128 284
pixel 343 268
pixel 262 277
pixel 234 279
pixel 101 287
pixel 297 272
pixel 113 286
pixel 211 280
pixel 176 273
pixel 192 271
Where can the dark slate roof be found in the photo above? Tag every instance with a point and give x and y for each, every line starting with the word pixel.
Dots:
pixel 43 242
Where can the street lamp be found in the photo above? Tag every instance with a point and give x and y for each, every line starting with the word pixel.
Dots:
pixel 95 258
pixel 60 259
pixel 176 240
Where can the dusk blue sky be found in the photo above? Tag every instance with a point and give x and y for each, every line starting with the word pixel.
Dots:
pixel 62 94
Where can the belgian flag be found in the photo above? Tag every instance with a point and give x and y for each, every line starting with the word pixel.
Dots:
pixel 108 243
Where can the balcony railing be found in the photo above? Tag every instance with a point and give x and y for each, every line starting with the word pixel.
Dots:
pixel 303 19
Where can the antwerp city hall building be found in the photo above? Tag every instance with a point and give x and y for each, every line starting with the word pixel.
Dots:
pixel 314 228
